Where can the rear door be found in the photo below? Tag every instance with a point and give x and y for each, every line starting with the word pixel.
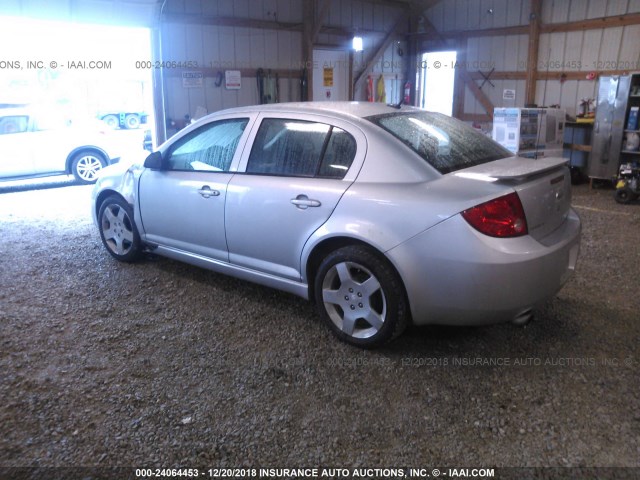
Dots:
pixel 292 179
pixel 182 205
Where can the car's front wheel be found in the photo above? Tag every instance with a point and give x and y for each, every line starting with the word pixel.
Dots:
pixel 118 230
pixel 86 165
pixel 361 297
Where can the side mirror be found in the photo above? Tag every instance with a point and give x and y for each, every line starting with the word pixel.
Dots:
pixel 154 161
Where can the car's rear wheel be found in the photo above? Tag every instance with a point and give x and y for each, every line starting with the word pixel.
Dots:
pixel 86 165
pixel 361 297
pixel 118 230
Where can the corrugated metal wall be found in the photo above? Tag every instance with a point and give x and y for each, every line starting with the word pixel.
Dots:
pixel 226 48
pixel 592 50
pixel 219 47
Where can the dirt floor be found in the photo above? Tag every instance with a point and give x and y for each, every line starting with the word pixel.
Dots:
pixel 160 364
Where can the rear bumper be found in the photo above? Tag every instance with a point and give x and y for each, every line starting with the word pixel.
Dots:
pixel 455 275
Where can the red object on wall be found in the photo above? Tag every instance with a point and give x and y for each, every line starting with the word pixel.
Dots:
pixel 407 93
pixel 370 89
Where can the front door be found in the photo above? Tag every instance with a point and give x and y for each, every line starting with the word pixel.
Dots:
pixel 182 205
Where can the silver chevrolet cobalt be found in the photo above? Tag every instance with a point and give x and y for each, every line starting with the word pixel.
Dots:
pixel 382 215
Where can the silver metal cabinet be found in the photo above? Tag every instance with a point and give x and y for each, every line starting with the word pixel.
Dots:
pixel 608 129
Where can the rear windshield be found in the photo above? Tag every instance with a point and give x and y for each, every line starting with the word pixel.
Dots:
pixel 446 143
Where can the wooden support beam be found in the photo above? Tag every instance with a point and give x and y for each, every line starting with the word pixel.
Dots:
pixel 191 19
pixel 412 55
pixel 308 12
pixel 550 75
pixel 501 75
pixel 375 56
pixel 591 24
pixel 478 93
pixel 459 84
pixel 230 22
pixel 485 32
pixel 532 55
pixel 323 12
pixel 245 72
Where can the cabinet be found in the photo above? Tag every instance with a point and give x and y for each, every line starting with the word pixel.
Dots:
pixel 617 95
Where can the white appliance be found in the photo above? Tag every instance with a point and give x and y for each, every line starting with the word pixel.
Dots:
pixel 530 132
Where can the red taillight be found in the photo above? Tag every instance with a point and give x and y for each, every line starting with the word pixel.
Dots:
pixel 503 217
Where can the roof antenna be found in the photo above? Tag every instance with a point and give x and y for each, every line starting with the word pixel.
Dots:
pixel 396 105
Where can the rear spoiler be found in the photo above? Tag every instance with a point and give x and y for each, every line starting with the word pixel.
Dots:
pixel 513 167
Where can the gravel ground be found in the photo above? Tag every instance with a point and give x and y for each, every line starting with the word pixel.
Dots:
pixel 161 364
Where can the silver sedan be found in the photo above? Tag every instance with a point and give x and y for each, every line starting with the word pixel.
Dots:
pixel 381 215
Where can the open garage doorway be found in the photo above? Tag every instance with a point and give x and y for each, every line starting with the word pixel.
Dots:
pixel 58 75
pixel 436 78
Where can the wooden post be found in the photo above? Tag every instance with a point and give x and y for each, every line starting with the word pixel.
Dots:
pixel 413 53
pixel 459 84
pixel 158 87
pixel 308 10
pixel 532 56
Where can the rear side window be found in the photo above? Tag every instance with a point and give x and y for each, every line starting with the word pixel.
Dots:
pixel 300 148
pixel 445 143
pixel 339 154
pixel 209 148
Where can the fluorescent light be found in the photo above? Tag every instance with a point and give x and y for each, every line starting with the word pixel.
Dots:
pixel 357 44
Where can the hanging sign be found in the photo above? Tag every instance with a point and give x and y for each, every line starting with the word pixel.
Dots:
pixel 232 79
pixel 508 94
pixel 327 77
pixel 192 79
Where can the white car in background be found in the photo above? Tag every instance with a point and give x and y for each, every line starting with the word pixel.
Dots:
pixel 36 144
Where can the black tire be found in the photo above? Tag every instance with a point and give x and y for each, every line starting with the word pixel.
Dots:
pixel 624 195
pixel 86 165
pixel 132 121
pixel 118 230
pixel 342 287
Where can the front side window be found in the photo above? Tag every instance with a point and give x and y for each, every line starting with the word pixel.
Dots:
pixel 210 148
pixel 445 143
pixel 300 148
pixel 13 124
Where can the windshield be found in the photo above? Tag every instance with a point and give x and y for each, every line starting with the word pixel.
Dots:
pixel 446 143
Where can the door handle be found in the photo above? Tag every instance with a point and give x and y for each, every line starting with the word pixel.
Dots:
pixel 207 192
pixel 303 202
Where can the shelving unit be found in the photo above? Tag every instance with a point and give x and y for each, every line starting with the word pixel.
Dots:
pixel 634 101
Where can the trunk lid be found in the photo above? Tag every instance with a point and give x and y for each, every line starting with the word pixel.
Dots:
pixel 543 185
